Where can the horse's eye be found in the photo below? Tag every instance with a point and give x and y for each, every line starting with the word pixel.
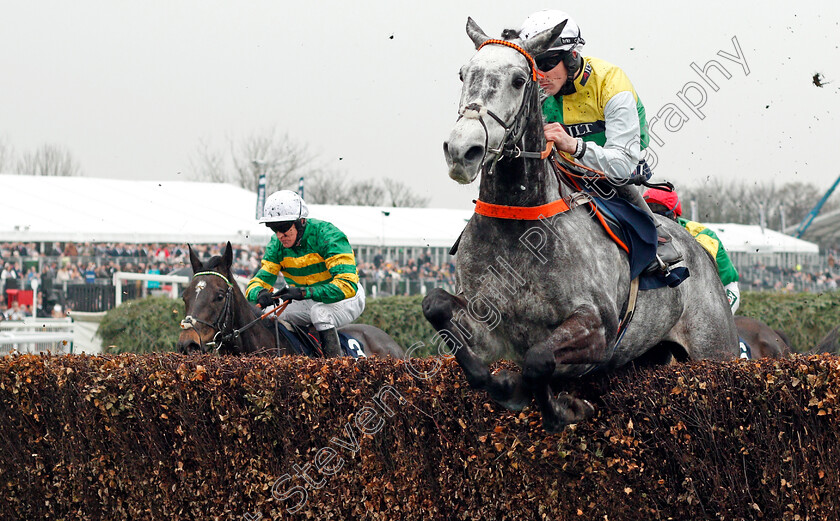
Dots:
pixel 220 296
pixel 518 83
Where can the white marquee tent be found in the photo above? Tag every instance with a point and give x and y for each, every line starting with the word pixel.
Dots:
pixel 753 239
pixel 84 209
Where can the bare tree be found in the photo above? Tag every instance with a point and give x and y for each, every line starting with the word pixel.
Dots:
pixel 800 199
pixel 365 193
pixel 282 159
pixel 48 160
pixel 724 201
pixel 328 187
pixel 208 164
pixel 400 195
pixel 6 155
pixel 325 187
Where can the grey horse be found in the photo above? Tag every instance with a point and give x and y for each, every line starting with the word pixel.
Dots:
pixel 549 293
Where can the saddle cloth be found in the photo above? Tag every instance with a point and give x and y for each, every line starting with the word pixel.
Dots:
pixel 746 351
pixel 633 231
pixel 307 343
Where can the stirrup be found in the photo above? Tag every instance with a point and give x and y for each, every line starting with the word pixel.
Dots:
pixel 657 265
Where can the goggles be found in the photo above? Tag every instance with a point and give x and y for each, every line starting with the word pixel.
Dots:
pixel 547 62
pixel 281 227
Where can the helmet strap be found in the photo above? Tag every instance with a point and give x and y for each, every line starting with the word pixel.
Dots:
pixel 573 66
pixel 300 225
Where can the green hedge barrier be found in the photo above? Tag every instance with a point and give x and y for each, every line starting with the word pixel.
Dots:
pixel 804 317
pixel 147 325
pixel 151 324
pixel 402 318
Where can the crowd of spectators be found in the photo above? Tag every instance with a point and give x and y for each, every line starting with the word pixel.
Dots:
pixel 759 277
pixel 91 263
pixel 380 270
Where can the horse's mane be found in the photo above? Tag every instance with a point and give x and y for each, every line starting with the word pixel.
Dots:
pixel 510 34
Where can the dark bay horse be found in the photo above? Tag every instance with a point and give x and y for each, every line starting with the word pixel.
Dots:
pixel 764 341
pixel 829 344
pixel 549 294
pixel 215 307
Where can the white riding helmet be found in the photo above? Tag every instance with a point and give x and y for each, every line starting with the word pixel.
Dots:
pixel 285 205
pixel 540 21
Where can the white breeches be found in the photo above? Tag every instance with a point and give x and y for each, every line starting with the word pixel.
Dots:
pixel 324 316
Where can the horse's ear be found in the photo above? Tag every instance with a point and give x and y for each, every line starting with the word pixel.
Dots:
pixel 197 266
pixel 228 256
pixel 541 41
pixel 475 33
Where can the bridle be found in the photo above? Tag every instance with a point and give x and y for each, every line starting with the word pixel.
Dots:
pixel 223 321
pixel 515 129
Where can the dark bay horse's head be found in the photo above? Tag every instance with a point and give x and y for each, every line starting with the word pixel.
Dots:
pixel 496 82
pixel 209 302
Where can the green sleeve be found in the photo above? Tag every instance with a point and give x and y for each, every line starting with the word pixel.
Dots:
pixel 726 270
pixel 341 263
pixel 267 275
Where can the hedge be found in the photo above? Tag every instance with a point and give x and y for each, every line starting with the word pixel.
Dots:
pixel 166 436
pixel 804 317
pixel 402 318
pixel 151 324
pixel 142 326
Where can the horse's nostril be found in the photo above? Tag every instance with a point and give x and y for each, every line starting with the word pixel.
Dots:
pixel 474 153
pixel 446 148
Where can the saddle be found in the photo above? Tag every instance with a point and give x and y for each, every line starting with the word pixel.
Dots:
pixel 305 340
pixel 629 228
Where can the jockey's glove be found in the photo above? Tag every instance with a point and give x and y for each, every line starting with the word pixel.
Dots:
pixel 291 293
pixel 264 299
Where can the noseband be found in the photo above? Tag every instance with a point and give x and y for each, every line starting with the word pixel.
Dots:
pixel 514 130
pixel 223 321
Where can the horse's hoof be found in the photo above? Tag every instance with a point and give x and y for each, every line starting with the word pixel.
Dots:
pixel 566 410
pixel 576 409
pixel 507 391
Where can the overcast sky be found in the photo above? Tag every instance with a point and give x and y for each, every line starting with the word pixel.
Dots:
pixel 129 88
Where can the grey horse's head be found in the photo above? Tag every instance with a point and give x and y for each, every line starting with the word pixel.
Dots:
pixel 495 81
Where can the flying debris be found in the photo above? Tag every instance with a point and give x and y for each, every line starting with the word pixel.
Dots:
pixel 819 80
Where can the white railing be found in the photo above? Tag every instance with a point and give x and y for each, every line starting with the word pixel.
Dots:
pixel 37 335
pixel 176 281
pixel 123 275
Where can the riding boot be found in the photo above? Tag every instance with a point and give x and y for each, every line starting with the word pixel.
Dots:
pixel 329 342
pixel 666 254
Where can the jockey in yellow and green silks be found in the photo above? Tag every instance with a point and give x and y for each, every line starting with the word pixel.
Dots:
pixel 593 113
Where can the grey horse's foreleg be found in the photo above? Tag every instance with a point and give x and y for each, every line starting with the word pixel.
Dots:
pixel 580 339
pixel 505 387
